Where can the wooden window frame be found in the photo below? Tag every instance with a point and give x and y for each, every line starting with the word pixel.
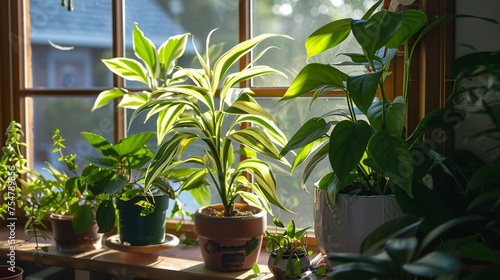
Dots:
pixel 433 60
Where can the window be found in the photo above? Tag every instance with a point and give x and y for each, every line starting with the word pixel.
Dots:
pixel 51 70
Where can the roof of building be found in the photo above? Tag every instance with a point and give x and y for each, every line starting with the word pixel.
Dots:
pixel 89 24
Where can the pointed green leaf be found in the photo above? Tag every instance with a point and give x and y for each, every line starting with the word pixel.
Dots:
pixel 107 96
pixel 434 264
pixel 312 130
pixel 313 76
pixel 328 36
pixel 233 55
pixel 99 143
pixel 357 270
pixel 318 157
pixel 134 100
pixel 256 140
pixel 374 33
pixel 264 178
pixel 486 176
pixel 348 142
pixel 249 73
pixel 401 250
pixel 146 50
pixel 396 116
pixel 106 216
pixel 248 105
pixel 269 127
pixel 412 22
pixel 128 69
pixel 132 143
pixel 83 218
pixel 389 154
pixel 362 89
pixel 171 50
pixel 307 150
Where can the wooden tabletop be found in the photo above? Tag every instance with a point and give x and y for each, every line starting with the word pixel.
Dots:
pixel 180 262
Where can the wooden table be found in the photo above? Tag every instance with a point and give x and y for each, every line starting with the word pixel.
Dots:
pixel 181 262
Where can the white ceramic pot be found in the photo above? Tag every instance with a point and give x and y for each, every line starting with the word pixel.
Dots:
pixel 342 227
pixel 279 269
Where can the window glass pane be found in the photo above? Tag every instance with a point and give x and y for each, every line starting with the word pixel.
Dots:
pixel 67 46
pixel 71 116
pixel 162 19
pixel 290 114
pixel 298 19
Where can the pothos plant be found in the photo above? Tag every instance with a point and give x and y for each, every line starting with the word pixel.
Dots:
pixel 371 156
pixel 206 109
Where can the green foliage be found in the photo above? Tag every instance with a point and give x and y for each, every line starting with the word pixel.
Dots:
pixel 118 173
pixel 184 102
pixel 457 232
pixel 289 243
pixel 372 155
pixel 37 194
pixel 356 146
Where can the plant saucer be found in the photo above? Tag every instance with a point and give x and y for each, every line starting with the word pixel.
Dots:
pixel 114 242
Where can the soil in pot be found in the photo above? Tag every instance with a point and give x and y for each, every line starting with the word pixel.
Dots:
pixel 8 272
pixel 137 230
pixel 279 269
pixel 68 241
pixel 225 241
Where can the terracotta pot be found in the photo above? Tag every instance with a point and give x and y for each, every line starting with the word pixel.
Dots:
pixel 224 240
pixel 279 269
pixel 342 228
pixel 137 230
pixel 68 241
pixel 8 272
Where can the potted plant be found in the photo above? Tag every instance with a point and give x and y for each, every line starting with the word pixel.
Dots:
pixel 188 113
pixel 55 194
pixel 369 155
pixel 456 238
pixel 288 254
pixel 116 180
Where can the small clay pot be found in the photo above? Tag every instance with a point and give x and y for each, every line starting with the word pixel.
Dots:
pixel 279 269
pixel 68 241
pixel 8 272
pixel 224 240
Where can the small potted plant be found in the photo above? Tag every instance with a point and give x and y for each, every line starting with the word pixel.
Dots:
pixel 289 256
pixel 208 110
pixel 55 194
pixel 116 180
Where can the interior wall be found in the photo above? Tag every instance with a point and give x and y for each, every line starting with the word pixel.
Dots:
pixel 481 35
pixel 476 35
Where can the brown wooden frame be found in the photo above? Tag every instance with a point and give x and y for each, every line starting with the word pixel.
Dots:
pixel 427 91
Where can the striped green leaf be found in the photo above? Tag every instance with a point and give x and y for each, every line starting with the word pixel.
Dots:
pixel 128 69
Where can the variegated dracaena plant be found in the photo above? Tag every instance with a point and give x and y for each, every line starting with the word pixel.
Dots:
pixel 204 106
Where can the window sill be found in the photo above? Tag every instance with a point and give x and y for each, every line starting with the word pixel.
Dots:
pixel 181 262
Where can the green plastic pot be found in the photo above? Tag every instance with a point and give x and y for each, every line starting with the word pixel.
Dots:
pixel 137 230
